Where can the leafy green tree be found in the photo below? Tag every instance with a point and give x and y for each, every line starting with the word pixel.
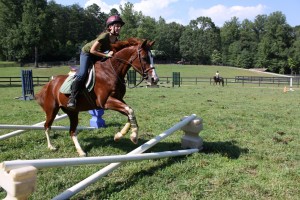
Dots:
pixel 199 40
pixel 10 29
pixel 113 11
pixel 259 26
pixel 167 39
pixel 34 26
pixel 294 51
pixel 132 20
pixel 95 21
pixel 274 45
pixel 216 57
pixel 249 43
pixel 147 28
pixel 230 33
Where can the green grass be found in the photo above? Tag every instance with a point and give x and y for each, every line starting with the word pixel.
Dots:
pixel 251 143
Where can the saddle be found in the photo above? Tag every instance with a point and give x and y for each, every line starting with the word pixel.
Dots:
pixel 89 84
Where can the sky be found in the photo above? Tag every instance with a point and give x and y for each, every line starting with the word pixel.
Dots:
pixel 220 11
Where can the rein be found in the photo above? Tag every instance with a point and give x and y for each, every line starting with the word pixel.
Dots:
pixel 143 72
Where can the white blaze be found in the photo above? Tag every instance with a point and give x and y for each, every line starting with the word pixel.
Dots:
pixel 154 75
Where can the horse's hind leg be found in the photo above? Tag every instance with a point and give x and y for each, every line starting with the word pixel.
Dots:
pixel 73 116
pixel 50 116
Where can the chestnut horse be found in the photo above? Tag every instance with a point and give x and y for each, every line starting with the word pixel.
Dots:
pixel 108 91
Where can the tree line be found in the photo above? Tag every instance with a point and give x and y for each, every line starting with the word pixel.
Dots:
pixel 37 30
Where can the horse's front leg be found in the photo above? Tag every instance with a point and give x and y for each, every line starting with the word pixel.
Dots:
pixel 73 135
pixel 120 106
pixel 132 123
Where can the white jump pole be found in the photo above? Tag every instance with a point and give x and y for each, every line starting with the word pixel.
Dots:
pixel 18 132
pixel 62 162
pixel 38 127
pixel 109 168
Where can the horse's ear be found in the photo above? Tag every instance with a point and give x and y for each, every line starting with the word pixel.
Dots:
pixel 151 43
pixel 144 43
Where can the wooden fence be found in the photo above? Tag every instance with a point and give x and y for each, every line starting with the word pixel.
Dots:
pixel 168 80
pixel 17 81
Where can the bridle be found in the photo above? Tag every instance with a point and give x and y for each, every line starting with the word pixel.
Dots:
pixel 143 72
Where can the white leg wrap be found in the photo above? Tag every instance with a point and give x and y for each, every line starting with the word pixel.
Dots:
pixel 77 146
pixel 123 132
pixel 134 126
pixel 47 132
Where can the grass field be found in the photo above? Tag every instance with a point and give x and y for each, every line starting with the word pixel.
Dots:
pixel 251 142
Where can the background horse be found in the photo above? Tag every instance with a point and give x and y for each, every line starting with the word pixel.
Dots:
pixel 219 80
pixel 108 91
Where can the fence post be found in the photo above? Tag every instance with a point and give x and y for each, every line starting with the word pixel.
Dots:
pixel 131 77
pixel 176 79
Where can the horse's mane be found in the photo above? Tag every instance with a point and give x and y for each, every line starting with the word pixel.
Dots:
pixel 125 43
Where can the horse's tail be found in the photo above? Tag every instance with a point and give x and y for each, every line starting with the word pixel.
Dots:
pixel 41 95
pixel 45 93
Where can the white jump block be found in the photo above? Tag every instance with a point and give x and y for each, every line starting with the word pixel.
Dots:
pixel 18 183
pixel 191 138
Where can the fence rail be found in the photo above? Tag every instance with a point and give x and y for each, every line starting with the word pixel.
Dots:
pixel 17 81
pixel 168 80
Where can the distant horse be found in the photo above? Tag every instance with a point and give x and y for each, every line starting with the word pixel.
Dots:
pixel 219 80
pixel 108 91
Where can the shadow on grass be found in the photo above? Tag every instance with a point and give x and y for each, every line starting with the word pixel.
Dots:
pixel 119 186
pixel 228 149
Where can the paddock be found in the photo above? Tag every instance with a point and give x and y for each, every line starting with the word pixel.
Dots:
pixel 18 178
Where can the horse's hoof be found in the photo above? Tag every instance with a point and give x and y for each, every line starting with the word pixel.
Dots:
pixel 52 148
pixel 82 154
pixel 118 137
pixel 134 139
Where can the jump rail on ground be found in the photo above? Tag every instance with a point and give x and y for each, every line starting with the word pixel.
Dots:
pixel 18 178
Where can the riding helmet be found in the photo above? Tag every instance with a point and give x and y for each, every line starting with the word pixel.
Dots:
pixel 114 19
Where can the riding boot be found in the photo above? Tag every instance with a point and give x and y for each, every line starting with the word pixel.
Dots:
pixel 74 92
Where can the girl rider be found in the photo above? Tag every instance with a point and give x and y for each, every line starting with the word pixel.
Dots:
pixel 93 51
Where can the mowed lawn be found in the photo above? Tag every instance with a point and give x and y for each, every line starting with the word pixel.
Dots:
pixel 251 141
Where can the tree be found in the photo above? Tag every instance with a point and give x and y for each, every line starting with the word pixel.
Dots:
pixel 199 40
pixel 294 51
pixel 132 20
pixel 274 45
pixel 146 28
pixel 34 26
pixel 230 33
pixel 216 57
pixel 10 29
pixel 167 39
pixel 95 21
pixel 249 43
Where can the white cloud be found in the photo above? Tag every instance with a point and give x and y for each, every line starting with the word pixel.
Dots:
pixel 104 6
pixel 152 8
pixel 220 13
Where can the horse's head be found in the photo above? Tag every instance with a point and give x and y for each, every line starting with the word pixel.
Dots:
pixel 143 63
